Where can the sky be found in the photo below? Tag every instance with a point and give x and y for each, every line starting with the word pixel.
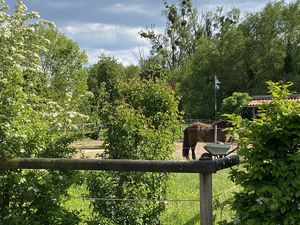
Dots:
pixel 111 27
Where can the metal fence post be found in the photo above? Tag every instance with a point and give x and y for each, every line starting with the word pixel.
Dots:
pixel 206 199
pixel 216 133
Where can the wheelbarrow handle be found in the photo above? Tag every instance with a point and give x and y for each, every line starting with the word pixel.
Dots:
pixel 231 151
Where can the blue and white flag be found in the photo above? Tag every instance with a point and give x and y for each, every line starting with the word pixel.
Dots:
pixel 217 83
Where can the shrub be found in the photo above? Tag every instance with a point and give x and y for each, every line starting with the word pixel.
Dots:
pixel 270 169
pixel 236 104
pixel 140 125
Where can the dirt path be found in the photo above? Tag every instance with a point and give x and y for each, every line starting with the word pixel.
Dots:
pixel 94 148
pixel 177 154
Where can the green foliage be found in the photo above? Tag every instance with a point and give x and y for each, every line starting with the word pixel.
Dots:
pixel 132 72
pixel 270 167
pixel 31 125
pixel 180 35
pixel 217 54
pixel 104 78
pixel 151 69
pixel 141 124
pixel 31 197
pixel 271 43
pixel 63 67
pixel 244 54
pixel 236 104
pixel 103 82
pixel 16 59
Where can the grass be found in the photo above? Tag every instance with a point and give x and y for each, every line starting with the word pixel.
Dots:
pixel 182 207
pixel 186 187
pixel 75 202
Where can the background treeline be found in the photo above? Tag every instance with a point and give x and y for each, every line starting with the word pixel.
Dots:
pixel 243 51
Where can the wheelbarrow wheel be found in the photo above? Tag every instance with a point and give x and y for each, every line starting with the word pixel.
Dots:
pixel 206 156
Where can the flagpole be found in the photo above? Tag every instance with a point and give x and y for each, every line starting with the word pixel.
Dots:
pixel 216 127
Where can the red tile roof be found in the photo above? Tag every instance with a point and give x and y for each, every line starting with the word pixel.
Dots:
pixel 258 100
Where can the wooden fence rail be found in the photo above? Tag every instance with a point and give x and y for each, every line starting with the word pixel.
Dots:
pixel 204 167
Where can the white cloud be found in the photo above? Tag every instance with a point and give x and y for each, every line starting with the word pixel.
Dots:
pixel 134 8
pixel 245 6
pixel 100 35
pixel 126 57
pixel 122 42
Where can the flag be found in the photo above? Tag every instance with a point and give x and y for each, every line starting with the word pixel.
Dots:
pixel 217 83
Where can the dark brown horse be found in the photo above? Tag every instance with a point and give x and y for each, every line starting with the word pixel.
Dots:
pixel 202 132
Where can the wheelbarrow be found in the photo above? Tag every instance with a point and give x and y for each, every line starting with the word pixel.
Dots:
pixel 217 150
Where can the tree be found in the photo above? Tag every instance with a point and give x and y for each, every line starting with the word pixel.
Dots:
pixel 31 125
pixel 265 47
pixel 103 82
pixel 269 172
pixel 141 124
pixel 217 55
pixel 63 66
pixel 272 45
pixel 236 104
pixel 151 69
pixel 132 72
pixel 243 54
pixel 179 39
pixel 104 79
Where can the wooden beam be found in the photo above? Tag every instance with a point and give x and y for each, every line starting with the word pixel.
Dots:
pixel 200 166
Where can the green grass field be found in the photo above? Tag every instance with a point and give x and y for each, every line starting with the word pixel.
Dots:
pixel 182 206
pixel 186 187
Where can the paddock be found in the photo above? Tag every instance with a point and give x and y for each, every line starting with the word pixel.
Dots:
pixel 205 168
pixel 93 148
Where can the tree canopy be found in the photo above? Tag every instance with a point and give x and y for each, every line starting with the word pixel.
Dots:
pixel 243 54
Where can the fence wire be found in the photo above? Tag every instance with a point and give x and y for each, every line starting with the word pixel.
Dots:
pixel 87 197
pixel 178 211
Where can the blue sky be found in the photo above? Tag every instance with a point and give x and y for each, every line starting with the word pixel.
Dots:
pixel 111 26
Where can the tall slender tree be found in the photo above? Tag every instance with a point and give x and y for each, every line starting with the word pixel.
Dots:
pixel 179 39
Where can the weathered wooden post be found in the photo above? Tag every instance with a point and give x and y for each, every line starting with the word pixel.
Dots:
pixel 206 216
pixel 206 199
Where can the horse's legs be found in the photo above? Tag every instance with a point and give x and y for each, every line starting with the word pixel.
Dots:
pixel 185 152
pixel 193 153
pixel 188 156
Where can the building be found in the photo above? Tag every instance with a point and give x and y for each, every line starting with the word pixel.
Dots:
pixel 258 100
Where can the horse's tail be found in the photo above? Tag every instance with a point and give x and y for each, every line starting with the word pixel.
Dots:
pixel 186 146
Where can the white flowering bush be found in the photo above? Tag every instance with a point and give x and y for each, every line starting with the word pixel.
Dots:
pixel 31 125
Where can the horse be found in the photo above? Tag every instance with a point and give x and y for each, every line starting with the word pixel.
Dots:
pixel 202 132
